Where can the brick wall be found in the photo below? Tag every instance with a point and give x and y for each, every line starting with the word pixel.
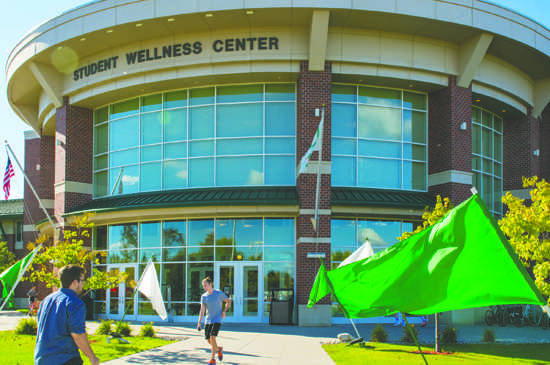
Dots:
pixel 521 138
pixel 449 146
pixel 314 90
pixel 73 155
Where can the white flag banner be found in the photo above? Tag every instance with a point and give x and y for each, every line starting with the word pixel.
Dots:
pixel 360 254
pixel 149 286
pixel 315 144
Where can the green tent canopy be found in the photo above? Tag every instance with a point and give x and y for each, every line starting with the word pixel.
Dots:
pixel 462 261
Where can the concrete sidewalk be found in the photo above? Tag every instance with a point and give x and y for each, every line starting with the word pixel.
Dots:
pixel 265 344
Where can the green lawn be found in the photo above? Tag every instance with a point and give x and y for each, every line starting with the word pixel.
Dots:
pixel 383 353
pixel 19 349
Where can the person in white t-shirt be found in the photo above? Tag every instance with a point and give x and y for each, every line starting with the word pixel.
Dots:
pixel 212 304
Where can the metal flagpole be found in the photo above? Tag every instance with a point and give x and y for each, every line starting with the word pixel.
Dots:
pixel 414 338
pixel 319 160
pixel 30 185
pixel 8 148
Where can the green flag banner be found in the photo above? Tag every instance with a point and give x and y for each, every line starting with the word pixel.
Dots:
pixel 462 261
pixel 12 274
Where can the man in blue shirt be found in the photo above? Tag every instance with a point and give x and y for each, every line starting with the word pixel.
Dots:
pixel 62 323
pixel 212 303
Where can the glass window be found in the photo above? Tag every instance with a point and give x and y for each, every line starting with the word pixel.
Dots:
pixel 100 238
pixel 239 93
pixel 201 122
pixel 173 275
pixel 237 120
pixel 487 157
pixel 124 133
pixel 151 103
pixel 175 174
pixel 124 108
pixel 201 232
pixel 151 174
pixel 123 236
pixel 151 128
pixel 175 99
pixel 192 134
pixel 175 125
pixel 376 135
pixel 174 233
pixel 149 235
pixel 238 171
pixel 278 232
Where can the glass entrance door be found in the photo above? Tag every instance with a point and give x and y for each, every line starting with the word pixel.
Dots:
pixel 241 282
pixel 121 298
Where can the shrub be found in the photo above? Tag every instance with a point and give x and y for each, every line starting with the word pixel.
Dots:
pixel 407 337
pixel 124 329
pixel 449 335
pixel 488 336
pixel 147 330
pixel 104 328
pixel 26 326
pixel 379 334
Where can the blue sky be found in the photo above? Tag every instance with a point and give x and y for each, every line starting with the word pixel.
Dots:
pixel 19 17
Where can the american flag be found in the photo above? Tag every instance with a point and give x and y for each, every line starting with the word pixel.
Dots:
pixel 7 178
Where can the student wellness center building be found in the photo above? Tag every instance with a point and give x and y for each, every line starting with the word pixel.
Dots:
pixel 180 126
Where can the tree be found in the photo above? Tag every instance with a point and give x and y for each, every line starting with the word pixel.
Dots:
pixel 430 216
pixel 527 227
pixel 7 258
pixel 70 250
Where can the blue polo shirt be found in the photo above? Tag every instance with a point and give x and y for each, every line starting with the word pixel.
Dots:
pixel 60 314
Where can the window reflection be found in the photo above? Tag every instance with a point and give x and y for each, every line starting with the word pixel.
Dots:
pixel 251 128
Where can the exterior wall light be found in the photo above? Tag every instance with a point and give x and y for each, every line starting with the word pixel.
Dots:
pixel 463 126
pixel 536 152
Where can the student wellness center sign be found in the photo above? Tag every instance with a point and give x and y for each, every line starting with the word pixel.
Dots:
pixel 177 50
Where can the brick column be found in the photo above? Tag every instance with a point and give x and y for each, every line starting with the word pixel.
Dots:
pixel 314 90
pixel 39 168
pixel 449 145
pixel 521 139
pixel 73 158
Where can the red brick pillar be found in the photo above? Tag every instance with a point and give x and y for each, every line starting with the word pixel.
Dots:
pixel 73 158
pixel 522 151
pixel 314 90
pixel 450 142
pixel 39 168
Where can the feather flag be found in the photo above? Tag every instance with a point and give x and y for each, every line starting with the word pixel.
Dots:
pixel 149 286
pixel 462 261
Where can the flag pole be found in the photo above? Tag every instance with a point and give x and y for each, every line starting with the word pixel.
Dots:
pixel 414 338
pixel 30 185
pixel 318 186
pixel 8 148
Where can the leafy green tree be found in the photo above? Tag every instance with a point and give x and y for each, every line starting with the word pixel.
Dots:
pixel 431 216
pixel 7 258
pixel 70 250
pixel 527 226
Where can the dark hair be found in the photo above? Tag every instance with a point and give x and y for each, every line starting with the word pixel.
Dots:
pixel 208 280
pixel 70 273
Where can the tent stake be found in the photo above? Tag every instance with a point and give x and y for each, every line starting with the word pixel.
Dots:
pixel 414 338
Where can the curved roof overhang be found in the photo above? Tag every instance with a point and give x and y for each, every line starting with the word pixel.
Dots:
pixel 477 35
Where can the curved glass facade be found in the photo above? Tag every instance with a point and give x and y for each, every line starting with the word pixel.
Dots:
pixel 379 138
pixel 231 135
pixel 186 251
pixel 487 157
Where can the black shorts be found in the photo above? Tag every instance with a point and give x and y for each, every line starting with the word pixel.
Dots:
pixel 211 329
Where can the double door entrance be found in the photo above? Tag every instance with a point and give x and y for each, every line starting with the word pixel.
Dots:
pixel 122 298
pixel 242 282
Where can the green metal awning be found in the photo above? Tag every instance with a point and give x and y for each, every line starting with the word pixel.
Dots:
pixel 382 198
pixel 12 209
pixel 193 198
